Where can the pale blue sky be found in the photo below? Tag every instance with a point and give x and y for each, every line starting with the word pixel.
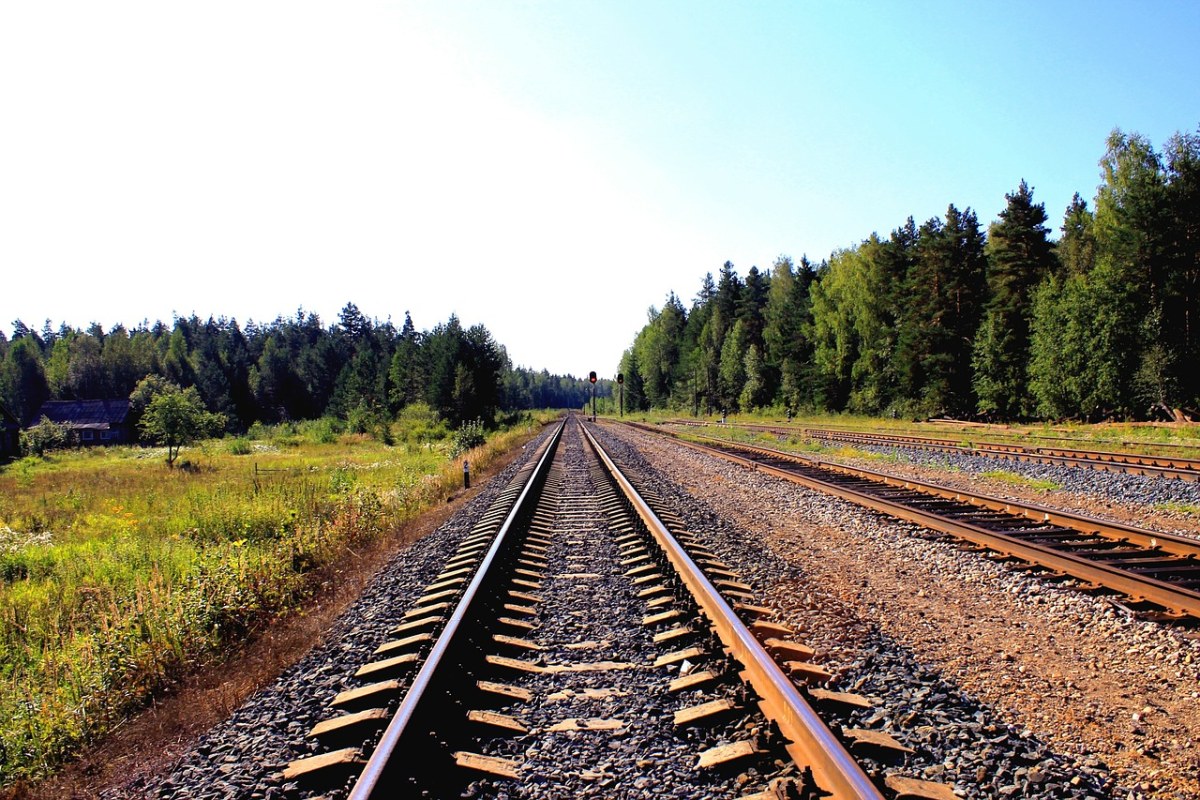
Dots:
pixel 548 169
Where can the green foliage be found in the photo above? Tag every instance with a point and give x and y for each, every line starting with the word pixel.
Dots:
pixel 1020 257
pixel 754 389
pixel 45 437
pixel 239 446
pixel 359 370
pixel 469 436
pixel 658 349
pixel 176 417
pixel 731 375
pixel 23 386
pixel 115 580
pixel 942 320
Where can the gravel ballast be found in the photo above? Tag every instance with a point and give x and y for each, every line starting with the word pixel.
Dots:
pixel 1002 682
pixel 1164 504
pixel 241 757
pixel 590 614
pixel 1005 683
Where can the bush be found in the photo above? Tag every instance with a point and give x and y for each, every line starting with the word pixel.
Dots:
pixel 468 437
pixel 44 437
pixel 419 426
pixel 319 431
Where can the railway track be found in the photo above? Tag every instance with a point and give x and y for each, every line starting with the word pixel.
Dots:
pixel 1158 573
pixel 1159 466
pixel 581 642
pixel 1171 467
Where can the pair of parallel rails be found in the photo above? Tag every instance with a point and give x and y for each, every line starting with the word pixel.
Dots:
pixel 1158 572
pixel 484 568
pixel 1158 466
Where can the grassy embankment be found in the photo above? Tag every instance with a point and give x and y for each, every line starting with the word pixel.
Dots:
pixel 119 575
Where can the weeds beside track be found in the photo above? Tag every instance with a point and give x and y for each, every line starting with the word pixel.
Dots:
pixel 118 576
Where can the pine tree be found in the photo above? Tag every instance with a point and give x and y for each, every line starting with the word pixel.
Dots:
pixel 1019 257
pixel 943 293
pixel 1181 302
pixel 1128 282
pixel 406 375
pixel 733 366
pixel 1076 248
pixel 271 381
pixel 177 366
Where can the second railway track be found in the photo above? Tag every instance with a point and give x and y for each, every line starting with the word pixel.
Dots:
pixel 1155 570
pixel 1154 466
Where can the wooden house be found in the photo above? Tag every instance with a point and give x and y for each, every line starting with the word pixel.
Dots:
pixel 91 422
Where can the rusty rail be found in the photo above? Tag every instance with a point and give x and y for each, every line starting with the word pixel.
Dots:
pixel 1185 469
pixel 1179 601
pixel 372 774
pixel 812 744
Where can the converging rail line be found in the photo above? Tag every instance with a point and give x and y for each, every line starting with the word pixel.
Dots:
pixel 1186 469
pixel 1159 466
pixel 1158 572
pixel 579 606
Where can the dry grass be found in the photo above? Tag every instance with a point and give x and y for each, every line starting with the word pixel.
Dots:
pixel 119 577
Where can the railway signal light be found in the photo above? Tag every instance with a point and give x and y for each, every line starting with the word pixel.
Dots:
pixel 592 378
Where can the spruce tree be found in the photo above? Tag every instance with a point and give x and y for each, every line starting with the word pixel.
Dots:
pixel 1019 257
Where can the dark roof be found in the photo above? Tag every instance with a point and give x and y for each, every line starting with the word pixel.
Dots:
pixel 91 413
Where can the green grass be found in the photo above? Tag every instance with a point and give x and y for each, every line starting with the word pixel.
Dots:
pixel 119 575
pixel 1020 480
pixel 1178 508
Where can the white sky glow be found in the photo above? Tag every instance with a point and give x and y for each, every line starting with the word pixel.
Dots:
pixel 550 170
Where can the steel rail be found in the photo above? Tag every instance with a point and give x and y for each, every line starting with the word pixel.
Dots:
pixel 1109 461
pixel 370 778
pixel 811 743
pixel 1176 599
pixel 1185 469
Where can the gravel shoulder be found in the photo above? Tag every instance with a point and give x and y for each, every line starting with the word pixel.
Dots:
pixel 1114 698
pixel 1165 505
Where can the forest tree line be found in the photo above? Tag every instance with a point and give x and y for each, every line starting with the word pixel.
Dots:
pixel 942 318
pixel 357 369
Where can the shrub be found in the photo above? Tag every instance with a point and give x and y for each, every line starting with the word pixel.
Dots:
pixel 44 437
pixel 319 431
pixel 419 425
pixel 468 437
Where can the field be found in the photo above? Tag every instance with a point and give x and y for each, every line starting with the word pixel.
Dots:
pixel 118 575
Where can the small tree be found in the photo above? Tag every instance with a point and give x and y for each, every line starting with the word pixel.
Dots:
pixel 175 417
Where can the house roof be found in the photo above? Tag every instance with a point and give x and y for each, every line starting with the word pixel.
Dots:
pixel 85 413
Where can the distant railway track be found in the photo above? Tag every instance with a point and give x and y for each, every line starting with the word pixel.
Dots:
pixel 1159 572
pixel 1159 466
pixel 466 689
